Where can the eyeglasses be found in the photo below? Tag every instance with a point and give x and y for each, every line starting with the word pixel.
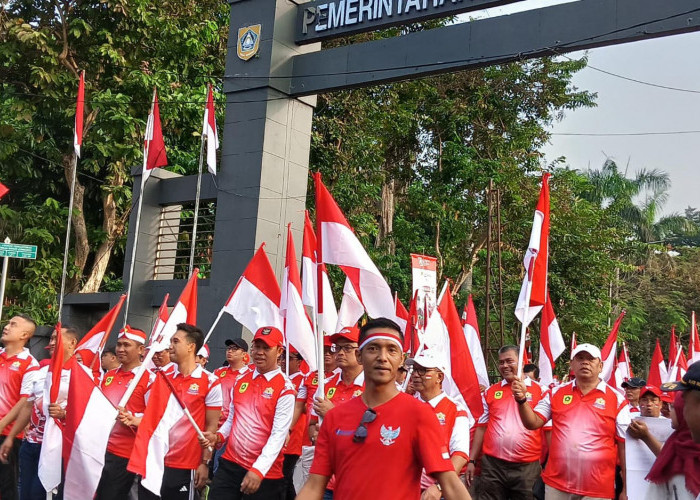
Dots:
pixel 347 348
pixel 421 371
pixel 361 432
pixel 234 348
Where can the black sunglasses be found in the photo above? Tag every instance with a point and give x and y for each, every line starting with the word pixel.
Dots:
pixel 361 432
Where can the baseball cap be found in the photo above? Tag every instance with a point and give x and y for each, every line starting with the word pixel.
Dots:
pixel 240 343
pixel 653 389
pixel 635 383
pixel 589 348
pixel 426 359
pixel 690 381
pixel 134 334
pixel 351 333
pixel 204 351
pixel 270 335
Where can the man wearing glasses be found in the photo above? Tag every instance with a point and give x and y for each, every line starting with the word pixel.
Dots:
pixel 236 351
pixel 377 444
pixel 426 378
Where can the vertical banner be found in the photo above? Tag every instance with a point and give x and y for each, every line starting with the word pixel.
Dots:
pixel 424 273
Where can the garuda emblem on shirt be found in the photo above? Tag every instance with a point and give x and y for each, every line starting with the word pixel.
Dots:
pixel 389 435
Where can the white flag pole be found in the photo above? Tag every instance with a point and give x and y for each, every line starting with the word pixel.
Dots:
pixel 199 189
pixel 523 324
pixel 216 322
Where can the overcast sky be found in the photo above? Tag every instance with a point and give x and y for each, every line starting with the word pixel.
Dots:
pixel 626 107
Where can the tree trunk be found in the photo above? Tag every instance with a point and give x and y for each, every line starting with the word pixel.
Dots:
pixel 386 222
pixel 79 227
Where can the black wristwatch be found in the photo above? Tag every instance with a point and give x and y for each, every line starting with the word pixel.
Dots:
pixel 521 401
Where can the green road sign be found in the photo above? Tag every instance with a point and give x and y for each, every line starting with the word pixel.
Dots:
pixel 17 251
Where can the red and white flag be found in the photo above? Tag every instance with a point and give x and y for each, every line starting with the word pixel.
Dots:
pixel 337 244
pixel 609 350
pixel 79 111
pixel 255 301
pixel 672 349
pixel 657 367
pixel 414 327
pixel 694 348
pixel 297 324
pixel 209 131
pixel 471 333
pixel 154 154
pixel 677 363
pixel 3 190
pixel 49 473
pixel 161 320
pixel 401 311
pixel 86 430
pixel 91 345
pixel 309 281
pixel 153 436
pixel 551 343
pixel 625 364
pixel 351 309
pixel 573 343
pixel 444 336
pixel 533 292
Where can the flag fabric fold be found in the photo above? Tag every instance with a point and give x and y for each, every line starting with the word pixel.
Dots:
pixel 694 347
pixel 551 343
pixel 154 154
pixel 3 190
pixel 209 132
pixel 471 333
pixel 49 474
pixel 161 320
pixel 609 350
pixel 657 367
pixel 351 309
pixel 91 345
pixel 297 324
pixel 79 111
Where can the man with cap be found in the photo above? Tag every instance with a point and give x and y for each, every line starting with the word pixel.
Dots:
pixel 633 387
pixel 690 385
pixel 589 421
pixel 427 378
pixel 236 351
pixel 262 405
pixel 510 462
pixel 161 360
pixel 378 443
pixel 116 481
pixel 650 407
pixel 108 359
pixel 203 356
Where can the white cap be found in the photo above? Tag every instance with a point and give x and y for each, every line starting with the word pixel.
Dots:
pixel 427 359
pixel 589 348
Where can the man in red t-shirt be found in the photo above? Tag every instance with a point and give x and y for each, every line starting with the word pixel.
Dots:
pixel 17 369
pixel 510 463
pixel 589 421
pixel 262 405
pixel 297 432
pixel 116 481
pixel 377 444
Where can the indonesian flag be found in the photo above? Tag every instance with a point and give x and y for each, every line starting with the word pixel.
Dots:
pixel 185 311
pixel 338 245
pixel 255 301
pixel 694 349
pixel 49 472
pixel 78 132
pixel 622 370
pixel 152 438
pixel 609 351
pixel 209 131
pixel 327 320
pixel 91 345
pixel 551 343
pixel 3 190
pixel 573 344
pixel 154 154
pixel 678 364
pixel 351 309
pixel 297 324
pixel 672 349
pixel 533 292
pixel 444 334
pixel 161 320
pixel 86 431
pixel 411 339
pixel 657 368
pixel 470 326
pixel 625 363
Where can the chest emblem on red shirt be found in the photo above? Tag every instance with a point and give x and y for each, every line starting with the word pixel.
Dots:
pixel 15 365
pixel 389 435
pixel 357 393
pixel 222 374
pixel 243 387
pixel 600 403
pixel 498 395
pixel 108 380
pixel 194 389
pixel 441 418
pixel 315 380
pixel 330 392
pixel 567 399
pixel 268 392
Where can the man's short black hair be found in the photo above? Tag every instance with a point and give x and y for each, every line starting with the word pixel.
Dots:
pixel 193 335
pixel 72 332
pixel 28 318
pixel 531 367
pixel 109 350
pixel 507 348
pixel 378 323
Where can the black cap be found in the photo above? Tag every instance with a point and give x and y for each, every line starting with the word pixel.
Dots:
pixel 634 383
pixel 690 382
pixel 240 343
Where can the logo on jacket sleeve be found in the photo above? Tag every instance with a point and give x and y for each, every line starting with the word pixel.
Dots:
pixel 268 392
pixel 389 435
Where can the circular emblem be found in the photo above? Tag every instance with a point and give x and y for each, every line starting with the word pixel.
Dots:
pixel 330 393
pixel 222 374
pixel 243 387
pixel 357 393
pixel 108 381
pixel 568 399
pixel 314 381
pixel 498 395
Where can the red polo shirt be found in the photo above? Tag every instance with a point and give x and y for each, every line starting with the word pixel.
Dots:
pixel 16 381
pixel 297 433
pixel 228 376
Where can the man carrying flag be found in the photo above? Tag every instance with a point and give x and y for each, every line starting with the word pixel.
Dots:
pixel 116 481
pixel 262 404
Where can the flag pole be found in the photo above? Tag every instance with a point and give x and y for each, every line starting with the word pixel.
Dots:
pixel 144 177
pixel 197 195
pixel 216 322
pixel 523 324
pixel 319 331
pixel 108 331
pixel 199 432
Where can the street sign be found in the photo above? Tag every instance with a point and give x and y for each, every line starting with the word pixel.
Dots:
pixel 17 251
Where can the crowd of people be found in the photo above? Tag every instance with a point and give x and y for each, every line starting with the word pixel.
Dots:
pixel 384 427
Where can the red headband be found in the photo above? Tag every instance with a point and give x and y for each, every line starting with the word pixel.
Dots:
pixel 388 335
